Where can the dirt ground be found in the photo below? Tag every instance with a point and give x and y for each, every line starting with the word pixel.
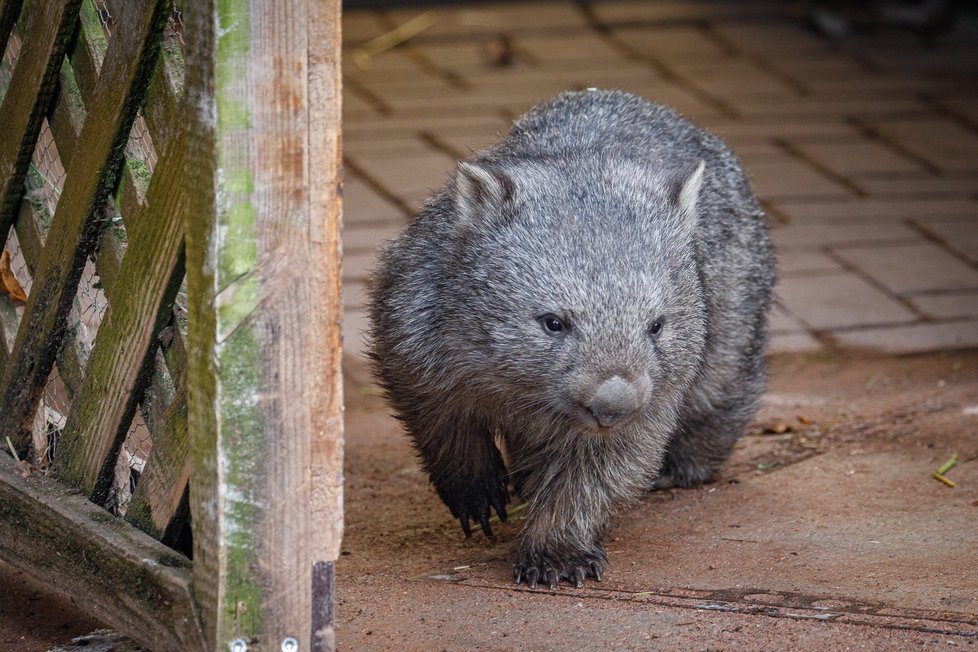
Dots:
pixel 826 530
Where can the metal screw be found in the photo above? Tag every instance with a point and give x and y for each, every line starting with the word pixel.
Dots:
pixel 289 644
pixel 238 645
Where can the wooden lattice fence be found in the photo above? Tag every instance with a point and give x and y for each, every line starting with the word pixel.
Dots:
pixel 170 397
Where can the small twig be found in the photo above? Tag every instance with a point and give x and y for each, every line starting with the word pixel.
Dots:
pixel 363 55
pixel 950 464
pixel 13 451
pixel 516 509
pixel 946 481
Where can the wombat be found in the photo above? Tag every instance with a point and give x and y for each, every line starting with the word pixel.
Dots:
pixel 591 294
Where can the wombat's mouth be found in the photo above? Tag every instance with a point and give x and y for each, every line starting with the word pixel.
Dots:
pixel 595 424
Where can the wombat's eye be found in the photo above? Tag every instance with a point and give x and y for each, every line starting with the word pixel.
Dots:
pixel 656 328
pixel 552 324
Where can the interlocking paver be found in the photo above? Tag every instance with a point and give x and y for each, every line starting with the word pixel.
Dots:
pixel 786 176
pixel 946 144
pixel 863 152
pixel 811 235
pixel 839 299
pixel 801 261
pixel 672 11
pixel 676 43
pixel 407 174
pixel 947 305
pixel 958 235
pixel 859 157
pixel 913 337
pixel 361 205
pixel 881 210
pixel 908 269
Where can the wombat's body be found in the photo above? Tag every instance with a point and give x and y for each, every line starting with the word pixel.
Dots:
pixel 592 292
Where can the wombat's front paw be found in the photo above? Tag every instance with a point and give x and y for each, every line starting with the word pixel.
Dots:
pixel 474 499
pixel 534 567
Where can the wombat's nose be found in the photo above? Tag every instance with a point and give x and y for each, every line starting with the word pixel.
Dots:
pixel 614 401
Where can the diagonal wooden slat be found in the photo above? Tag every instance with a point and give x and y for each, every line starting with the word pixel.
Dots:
pixel 50 25
pixel 122 357
pixel 91 177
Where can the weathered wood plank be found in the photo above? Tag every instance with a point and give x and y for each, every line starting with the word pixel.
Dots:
pixel 50 25
pixel 108 568
pixel 122 358
pixel 263 259
pixel 324 390
pixel 91 177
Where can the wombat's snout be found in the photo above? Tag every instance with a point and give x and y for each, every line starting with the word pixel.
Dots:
pixel 614 401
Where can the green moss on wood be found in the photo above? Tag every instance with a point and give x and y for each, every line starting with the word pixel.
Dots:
pixel 91 26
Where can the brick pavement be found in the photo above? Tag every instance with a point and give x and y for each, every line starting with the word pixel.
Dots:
pixel 864 151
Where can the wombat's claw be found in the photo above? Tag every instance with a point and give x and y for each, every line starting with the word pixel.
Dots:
pixel 532 567
pixel 475 502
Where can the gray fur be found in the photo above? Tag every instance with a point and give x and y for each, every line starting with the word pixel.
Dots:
pixel 608 213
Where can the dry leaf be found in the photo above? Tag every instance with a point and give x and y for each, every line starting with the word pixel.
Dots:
pixel 8 282
pixel 777 429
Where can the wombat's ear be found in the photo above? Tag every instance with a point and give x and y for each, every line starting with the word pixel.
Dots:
pixel 684 189
pixel 481 190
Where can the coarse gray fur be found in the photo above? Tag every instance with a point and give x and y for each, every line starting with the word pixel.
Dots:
pixel 592 293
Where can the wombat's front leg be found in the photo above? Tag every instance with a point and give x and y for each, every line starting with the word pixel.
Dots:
pixel 467 470
pixel 563 535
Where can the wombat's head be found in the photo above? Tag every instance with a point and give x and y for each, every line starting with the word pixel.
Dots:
pixel 578 289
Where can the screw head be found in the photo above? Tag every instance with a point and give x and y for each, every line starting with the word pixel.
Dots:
pixel 238 645
pixel 289 644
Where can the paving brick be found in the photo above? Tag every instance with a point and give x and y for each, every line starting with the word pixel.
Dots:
pixel 356 267
pixel 688 44
pixel 765 129
pixel 805 261
pixel 403 135
pixel 863 105
pixel 839 300
pixel 913 338
pixel 947 305
pixel 850 157
pixel 569 46
pixel 676 11
pixel 786 176
pixel 906 269
pixel 408 173
pixel 959 235
pixel 944 143
pixel 921 185
pixel 359 26
pixel 814 235
pixel 780 321
pixel 876 209
pixel 776 39
pixel 735 78
pixel 362 205
pixel 475 20
pixel 792 343
pixel 361 239
pixel 354 295
pixel 355 325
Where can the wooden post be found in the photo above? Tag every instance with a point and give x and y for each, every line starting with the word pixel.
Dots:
pixel 264 346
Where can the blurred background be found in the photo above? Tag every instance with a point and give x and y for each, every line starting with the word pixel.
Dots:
pixel 857 122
